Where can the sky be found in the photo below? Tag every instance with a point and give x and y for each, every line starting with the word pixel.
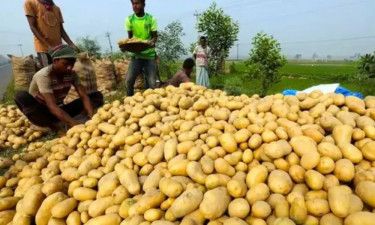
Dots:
pixel 339 28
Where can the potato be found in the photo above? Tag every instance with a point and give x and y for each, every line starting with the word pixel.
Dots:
pixel 211 198
pixel 278 149
pixel 44 213
pixel 107 184
pixel 283 221
pixel 112 219
pixel 317 207
pixel 239 208
pixel 256 175
pixel 366 191
pixel 368 150
pixel 342 134
pixel 64 208
pixel 351 152
pixel 302 145
pixel 151 199
pixel 32 201
pixel 84 194
pixel 261 209
pixel 331 219
pixel 125 206
pixel 339 198
pixel 128 178
pixel 297 173
pixel 310 160
pixel 7 216
pixel 360 218
pixel 280 182
pixel 195 172
pixel 186 203
pixel 314 179
pixel 344 170
pixel 237 188
pixel 228 143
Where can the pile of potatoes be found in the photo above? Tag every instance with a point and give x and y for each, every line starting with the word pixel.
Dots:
pixel 15 129
pixel 194 156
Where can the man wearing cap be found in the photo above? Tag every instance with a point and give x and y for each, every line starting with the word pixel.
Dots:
pixel 46 23
pixel 43 104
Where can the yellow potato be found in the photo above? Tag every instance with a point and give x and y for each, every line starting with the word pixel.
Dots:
pixel 280 182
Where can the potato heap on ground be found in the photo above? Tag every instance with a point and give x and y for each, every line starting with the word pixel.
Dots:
pixel 194 156
pixel 15 129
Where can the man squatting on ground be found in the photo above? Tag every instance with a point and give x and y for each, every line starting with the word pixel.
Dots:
pixel 43 104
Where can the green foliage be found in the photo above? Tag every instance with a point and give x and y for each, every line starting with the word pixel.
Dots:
pixel 169 47
pixel 90 45
pixel 192 47
pixel 8 96
pixel 221 32
pixel 265 61
pixel 366 67
pixel 232 67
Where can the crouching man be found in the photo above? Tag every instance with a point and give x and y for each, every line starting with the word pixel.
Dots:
pixel 43 104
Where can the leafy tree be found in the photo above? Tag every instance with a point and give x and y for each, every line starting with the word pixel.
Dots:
pixel 366 67
pixel 221 32
pixel 170 47
pixel 192 47
pixel 265 61
pixel 91 46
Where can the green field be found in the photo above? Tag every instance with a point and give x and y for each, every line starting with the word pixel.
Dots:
pixel 295 75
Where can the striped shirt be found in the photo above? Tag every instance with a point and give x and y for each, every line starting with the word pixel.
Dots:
pixel 46 82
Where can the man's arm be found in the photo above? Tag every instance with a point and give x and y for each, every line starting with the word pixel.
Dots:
pixel 154 35
pixel 34 28
pixel 86 100
pixel 55 110
pixel 66 37
pixel 130 34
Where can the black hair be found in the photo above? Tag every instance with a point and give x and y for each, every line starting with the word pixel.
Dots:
pixel 189 63
pixel 143 1
pixel 203 37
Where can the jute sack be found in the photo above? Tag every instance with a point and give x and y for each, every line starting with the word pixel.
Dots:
pixel 86 73
pixel 105 76
pixel 139 83
pixel 24 69
pixel 121 68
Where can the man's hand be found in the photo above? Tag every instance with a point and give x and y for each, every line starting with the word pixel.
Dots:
pixel 151 43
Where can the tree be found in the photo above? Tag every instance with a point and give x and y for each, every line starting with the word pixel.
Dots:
pixel 366 67
pixel 192 47
pixel 170 47
pixel 91 46
pixel 329 57
pixel 315 57
pixel 221 32
pixel 297 56
pixel 265 61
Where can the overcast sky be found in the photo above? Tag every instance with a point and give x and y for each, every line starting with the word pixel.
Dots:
pixel 339 28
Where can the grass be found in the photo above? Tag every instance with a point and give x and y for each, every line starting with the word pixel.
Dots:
pixel 295 75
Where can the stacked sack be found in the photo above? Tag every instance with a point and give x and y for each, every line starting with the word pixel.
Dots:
pixel 86 73
pixel 105 76
pixel 24 69
pixel 121 68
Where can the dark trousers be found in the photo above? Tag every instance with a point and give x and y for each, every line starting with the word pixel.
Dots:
pixel 40 115
pixel 44 59
pixel 138 66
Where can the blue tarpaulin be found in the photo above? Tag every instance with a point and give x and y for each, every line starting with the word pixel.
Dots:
pixel 339 90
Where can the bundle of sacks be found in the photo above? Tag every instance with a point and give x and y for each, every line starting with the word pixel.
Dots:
pixel 192 155
pixel 15 129
pixel 86 73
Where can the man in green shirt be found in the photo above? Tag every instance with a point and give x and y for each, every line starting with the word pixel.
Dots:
pixel 142 26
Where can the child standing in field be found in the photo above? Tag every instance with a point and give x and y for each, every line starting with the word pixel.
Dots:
pixel 201 55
